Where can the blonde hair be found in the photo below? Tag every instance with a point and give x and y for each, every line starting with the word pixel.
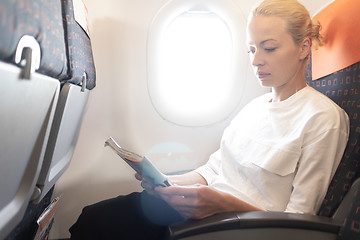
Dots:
pixel 297 17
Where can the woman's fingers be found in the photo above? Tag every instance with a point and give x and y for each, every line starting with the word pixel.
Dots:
pixel 186 191
pixel 138 177
pixel 197 201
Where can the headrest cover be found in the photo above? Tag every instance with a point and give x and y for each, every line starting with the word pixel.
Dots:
pixel 341 31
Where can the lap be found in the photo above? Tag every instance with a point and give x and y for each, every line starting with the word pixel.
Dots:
pixel 133 216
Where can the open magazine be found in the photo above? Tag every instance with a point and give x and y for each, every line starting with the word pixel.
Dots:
pixel 140 164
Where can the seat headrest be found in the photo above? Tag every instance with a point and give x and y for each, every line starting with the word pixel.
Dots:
pixel 340 29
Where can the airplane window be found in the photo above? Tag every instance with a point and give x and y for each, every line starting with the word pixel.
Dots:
pixel 192 81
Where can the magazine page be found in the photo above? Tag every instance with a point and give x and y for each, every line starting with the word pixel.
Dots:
pixel 140 164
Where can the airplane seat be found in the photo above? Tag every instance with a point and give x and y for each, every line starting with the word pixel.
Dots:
pixel 47 71
pixel 72 102
pixel 343 87
pixel 339 215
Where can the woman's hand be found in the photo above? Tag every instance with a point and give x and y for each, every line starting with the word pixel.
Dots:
pixel 196 201
pixel 200 201
pixel 189 178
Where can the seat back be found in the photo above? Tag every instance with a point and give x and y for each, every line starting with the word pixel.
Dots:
pixel 42 50
pixel 63 136
pixel 351 227
pixel 336 68
pixel 27 110
pixel 343 87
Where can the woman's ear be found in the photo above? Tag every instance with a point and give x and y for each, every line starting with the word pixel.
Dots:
pixel 305 48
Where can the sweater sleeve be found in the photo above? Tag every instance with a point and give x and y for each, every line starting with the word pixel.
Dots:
pixel 317 165
pixel 211 168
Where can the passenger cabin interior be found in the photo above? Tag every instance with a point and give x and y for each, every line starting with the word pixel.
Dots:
pixel 54 119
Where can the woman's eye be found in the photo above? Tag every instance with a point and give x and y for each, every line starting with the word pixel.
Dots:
pixel 252 51
pixel 270 49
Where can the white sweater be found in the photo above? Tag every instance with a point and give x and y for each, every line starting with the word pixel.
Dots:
pixel 281 156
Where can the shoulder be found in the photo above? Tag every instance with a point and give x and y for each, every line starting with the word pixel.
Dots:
pixel 323 112
pixel 320 103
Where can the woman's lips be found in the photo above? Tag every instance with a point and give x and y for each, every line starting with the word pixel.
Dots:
pixel 262 75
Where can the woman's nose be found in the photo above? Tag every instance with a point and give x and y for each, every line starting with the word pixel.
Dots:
pixel 257 59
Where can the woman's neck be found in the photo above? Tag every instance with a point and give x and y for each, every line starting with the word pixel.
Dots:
pixel 295 84
pixel 284 92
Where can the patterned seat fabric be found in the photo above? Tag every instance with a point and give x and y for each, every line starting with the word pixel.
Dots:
pixel 343 87
pixel 38 18
pixel 66 52
pixel 79 53
pixel 351 228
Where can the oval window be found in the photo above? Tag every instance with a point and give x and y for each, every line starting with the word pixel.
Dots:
pixel 196 65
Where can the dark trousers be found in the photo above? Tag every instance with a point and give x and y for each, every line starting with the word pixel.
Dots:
pixel 135 216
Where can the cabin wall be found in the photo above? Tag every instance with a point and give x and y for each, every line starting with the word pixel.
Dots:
pixel 120 107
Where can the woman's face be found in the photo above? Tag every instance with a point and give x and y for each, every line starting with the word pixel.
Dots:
pixel 276 59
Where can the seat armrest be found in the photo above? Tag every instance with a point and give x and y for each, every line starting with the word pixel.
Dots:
pixel 254 220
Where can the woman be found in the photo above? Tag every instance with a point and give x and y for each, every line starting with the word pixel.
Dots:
pixel 279 153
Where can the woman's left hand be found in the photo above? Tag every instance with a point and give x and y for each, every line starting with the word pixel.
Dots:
pixel 195 201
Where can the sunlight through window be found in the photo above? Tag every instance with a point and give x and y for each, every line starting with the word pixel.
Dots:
pixel 194 62
pixel 195 58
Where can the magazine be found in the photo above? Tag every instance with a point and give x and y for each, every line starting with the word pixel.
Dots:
pixel 141 164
